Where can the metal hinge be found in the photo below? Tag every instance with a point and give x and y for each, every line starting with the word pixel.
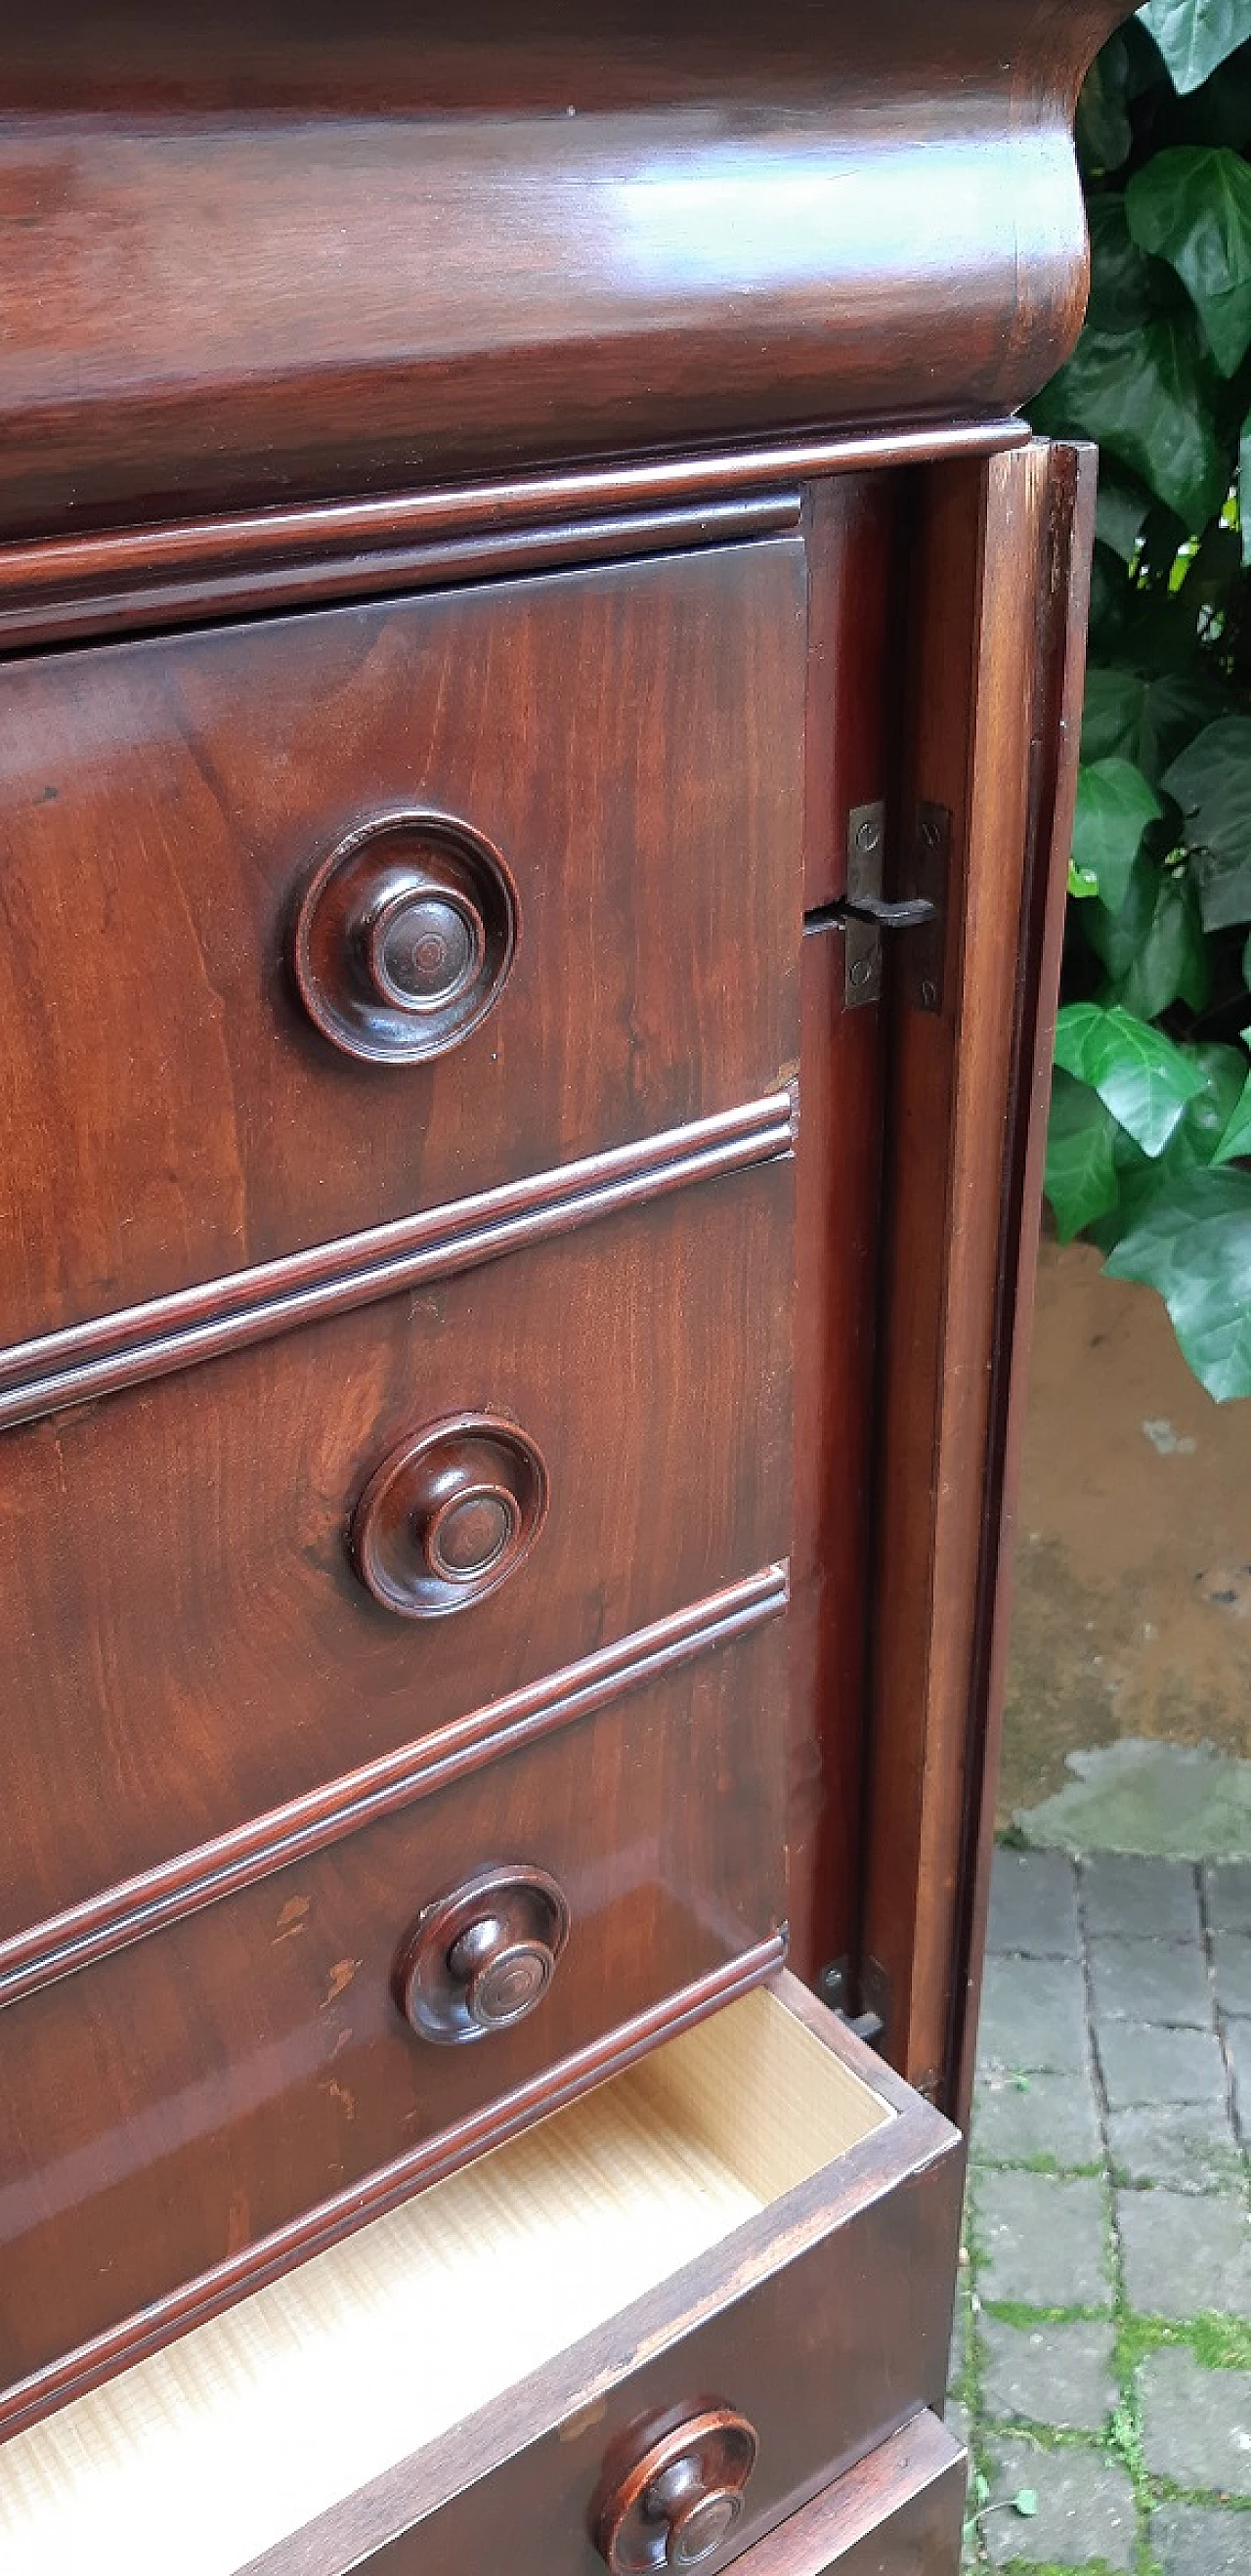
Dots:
pixel 919 907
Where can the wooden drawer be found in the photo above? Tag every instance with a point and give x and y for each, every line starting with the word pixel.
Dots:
pixel 623 746
pixel 191 1646
pixel 900 2512
pixel 755 2226
pixel 247 2078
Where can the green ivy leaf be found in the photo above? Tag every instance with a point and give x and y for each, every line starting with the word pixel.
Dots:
pixel 1103 127
pixel 1025 2502
pixel 1128 717
pixel 1145 395
pixel 1127 286
pixel 1192 207
pixel 1153 948
pixel 1176 706
pixel 1236 1140
pixel 1115 803
pixel 1119 515
pixel 1195 35
pixel 1138 1073
pixel 1244 488
pixel 1211 781
pixel 1112 714
pixel 1081 1177
pixel 1193 1143
pixel 1192 1243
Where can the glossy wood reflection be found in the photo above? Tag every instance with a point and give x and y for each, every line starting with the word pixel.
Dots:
pixel 190 2096
pixel 612 733
pixel 547 231
pixel 183 1550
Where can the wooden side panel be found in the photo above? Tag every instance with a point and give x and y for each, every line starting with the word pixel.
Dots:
pixel 979 558
pixel 852 543
pixel 1060 666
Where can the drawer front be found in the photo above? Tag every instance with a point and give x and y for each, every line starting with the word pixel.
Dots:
pixel 676 2311
pixel 822 2348
pixel 206 923
pixel 195 1643
pixel 195 2093
pixel 900 2512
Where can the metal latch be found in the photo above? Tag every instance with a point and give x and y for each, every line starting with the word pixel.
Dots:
pixel 832 1986
pixel 920 906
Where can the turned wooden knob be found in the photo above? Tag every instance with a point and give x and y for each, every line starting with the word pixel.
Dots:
pixel 449 1515
pixel 403 938
pixel 481 1957
pixel 681 2500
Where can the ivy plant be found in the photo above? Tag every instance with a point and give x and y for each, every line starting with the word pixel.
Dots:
pixel 1149 1146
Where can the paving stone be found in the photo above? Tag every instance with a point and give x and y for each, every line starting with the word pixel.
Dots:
pixel 1238 2036
pixel 1017 2119
pixel 1199 2540
pixel 1140 1899
pixel 1196 2424
pixel 1227 1894
pixel 1141 2064
pixel 1189 2146
pixel 1085 2509
pixel 1033 2016
pixel 1033 1905
pixel 1184 2255
pixel 959 2424
pixel 958 2352
pixel 1151 1981
pixel 1231 1952
pixel 1042 2240
pixel 1051 2374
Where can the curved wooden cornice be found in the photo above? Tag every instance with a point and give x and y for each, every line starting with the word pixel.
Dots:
pixel 242 259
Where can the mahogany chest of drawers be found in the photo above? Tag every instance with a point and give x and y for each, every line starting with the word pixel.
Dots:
pixel 537 675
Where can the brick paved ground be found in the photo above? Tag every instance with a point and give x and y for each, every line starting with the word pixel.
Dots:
pixel 1101 2353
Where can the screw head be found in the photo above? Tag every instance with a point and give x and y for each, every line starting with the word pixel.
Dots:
pixel 930 833
pixel 868 835
pixel 861 972
pixel 929 993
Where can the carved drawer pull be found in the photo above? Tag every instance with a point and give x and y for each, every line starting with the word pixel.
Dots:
pixel 404 938
pixel 682 2499
pixel 481 1958
pixel 449 1515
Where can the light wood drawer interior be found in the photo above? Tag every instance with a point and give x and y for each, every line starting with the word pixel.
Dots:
pixel 278 2413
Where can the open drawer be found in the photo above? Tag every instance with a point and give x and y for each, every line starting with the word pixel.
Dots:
pixel 646 2331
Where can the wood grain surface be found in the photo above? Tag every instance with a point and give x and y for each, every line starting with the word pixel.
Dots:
pixel 188 1643
pixel 897 2513
pixel 110 581
pixel 615 734
pixel 977 567
pixel 193 2095
pixel 1059 673
pixel 319 268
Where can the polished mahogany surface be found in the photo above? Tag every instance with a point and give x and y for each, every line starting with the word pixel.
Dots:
pixel 898 2512
pixel 314 266
pixel 619 738
pixel 190 1642
pixel 480 502
pixel 169 2107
